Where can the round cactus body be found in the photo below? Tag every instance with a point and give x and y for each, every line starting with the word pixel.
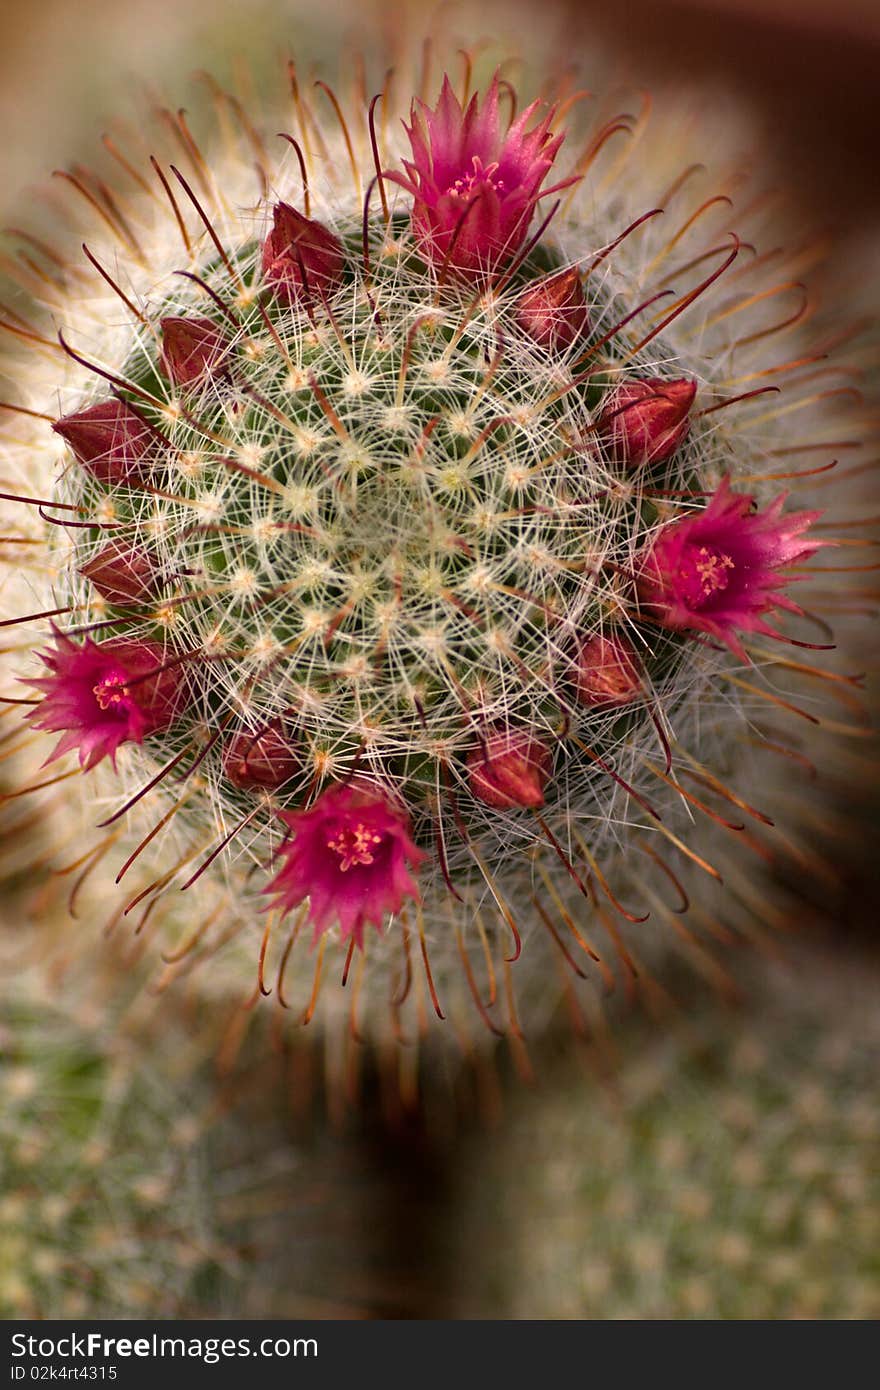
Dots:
pixel 409 512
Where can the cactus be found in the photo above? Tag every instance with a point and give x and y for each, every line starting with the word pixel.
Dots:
pixel 117 1193
pixel 727 1172
pixel 408 510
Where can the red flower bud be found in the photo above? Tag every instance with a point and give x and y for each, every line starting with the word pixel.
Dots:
pixel 109 440
pixel 606 672
pixel 192 348
pixel 302 260
pixel 646 421
pixel 509 768
pixel 553 312
pixel 265 759
pixel 122 575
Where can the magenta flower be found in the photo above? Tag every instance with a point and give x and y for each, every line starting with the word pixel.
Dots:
pixel 717 571
pixel 109 439
pixel 349 857
pixel 475 185
pixel 100 695
pixel 509 768
pixel 645 421
pixel 303 261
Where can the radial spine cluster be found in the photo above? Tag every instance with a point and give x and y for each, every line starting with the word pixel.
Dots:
pixel 397 545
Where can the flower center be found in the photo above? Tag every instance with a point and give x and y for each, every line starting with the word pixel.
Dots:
pixel 354 846
pixel 463 187
pixel 704 573
pixel 111 692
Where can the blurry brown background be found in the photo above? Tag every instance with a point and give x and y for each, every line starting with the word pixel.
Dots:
pixel 810 69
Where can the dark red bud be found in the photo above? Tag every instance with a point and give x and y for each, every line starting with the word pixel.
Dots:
pixel 646 421
pixel 509 768
pixel 303 261
pixel 109 440
pixel 553 312
pixel 192 349
pixel 123 574
pixel 265 759
pixel 606 672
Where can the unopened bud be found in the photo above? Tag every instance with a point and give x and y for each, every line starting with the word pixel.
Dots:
pixel 509 768
pixel 606 672
pixel 192 349
pixel 302 260
pixel 123 574
pixel 263 759
pixel 553 312
pixel 646 421
pixel 109 440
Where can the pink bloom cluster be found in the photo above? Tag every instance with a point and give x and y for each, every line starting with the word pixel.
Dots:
pixel 475 183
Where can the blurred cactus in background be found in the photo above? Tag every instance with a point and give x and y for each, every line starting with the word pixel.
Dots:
pixel 728 1170
pixel 118 1199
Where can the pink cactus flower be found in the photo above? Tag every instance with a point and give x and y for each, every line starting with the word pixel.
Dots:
pixel 718 570
pixel 645 421
pixel 474 185
pixel 350 856
pixel 192 349
pixel 265 759
pixel 509 768
pixel 606 672
pixel 303 261
pixel 553 311
pixel 100 695
pixel 109 439
pixel 123 574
